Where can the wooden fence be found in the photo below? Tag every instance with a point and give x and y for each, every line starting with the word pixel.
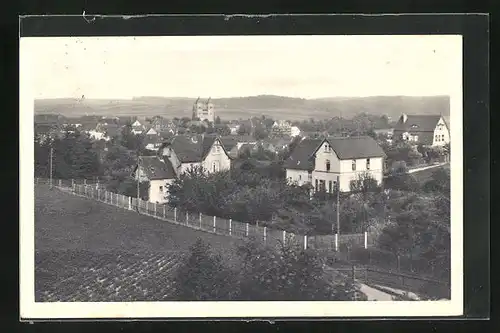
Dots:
pixel 199 221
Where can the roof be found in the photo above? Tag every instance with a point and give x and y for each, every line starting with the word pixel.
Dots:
pixel 156 168
pixel 345 148
pixel 422 123
pixel 192 148
pixel 355 147
pixel 113 130
pixel 154 139
pixel 300 159
pixel 231 141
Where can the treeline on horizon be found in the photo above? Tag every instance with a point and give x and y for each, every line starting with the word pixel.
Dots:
pixel 242 107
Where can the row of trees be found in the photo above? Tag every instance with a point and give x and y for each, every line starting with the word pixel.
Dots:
pixel 77 156
pixel 257 273
pixel 260 194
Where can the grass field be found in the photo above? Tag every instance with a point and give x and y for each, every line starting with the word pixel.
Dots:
pixel 89 251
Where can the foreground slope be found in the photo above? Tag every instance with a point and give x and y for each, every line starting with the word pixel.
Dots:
pixel 89 251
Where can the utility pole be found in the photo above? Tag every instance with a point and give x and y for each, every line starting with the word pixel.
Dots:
pixel 338 211
pixel 138 175
pixel 51 153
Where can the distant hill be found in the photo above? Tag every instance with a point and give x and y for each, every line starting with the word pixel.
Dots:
pixel 277 107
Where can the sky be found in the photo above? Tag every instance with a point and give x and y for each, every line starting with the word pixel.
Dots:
pixel 231 66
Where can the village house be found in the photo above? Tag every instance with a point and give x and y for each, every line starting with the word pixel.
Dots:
pixel 234 144
pixel 152 131
pixel 137 127
pixel 294 131
pixel 152 140
pixel 159 173
pixel 428 130
pixel 188 151
pixel 320 162
pixel 234 128
pixel 276 145
pixel 282 127
pixel 152 143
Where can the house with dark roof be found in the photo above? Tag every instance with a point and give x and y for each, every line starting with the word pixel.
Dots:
pixel 188 151
pixel 159 173
pixel 324 162
pixel 152 142
pixel 137 127
pixel 429 130
pixel 234 143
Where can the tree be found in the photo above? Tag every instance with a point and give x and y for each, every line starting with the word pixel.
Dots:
pixel 243 130
pixel 222 130
pixel 287 273
pixel 401 181
pixel 260 133
pixel 439 182
pixel 204 276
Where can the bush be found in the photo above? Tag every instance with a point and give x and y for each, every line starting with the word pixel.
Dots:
pixel 286 273
pixel 203 276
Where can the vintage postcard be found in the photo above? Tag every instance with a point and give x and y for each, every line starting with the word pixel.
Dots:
pixel 241 176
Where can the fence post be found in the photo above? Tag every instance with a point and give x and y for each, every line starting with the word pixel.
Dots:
pixel 246 230
pixel 353 273
pixel 187 218
pixel 164 216
pixel 305 242
pixel 175 214
pixel 85 182
pixel 130 203
pixel 98 195
pixel 336 242
pixel 154 207
pixel 265 234
pixel 366 240
pixel 199 218
pixel 284 236
pixel 72 183
pixel 230 223
pixel 214 224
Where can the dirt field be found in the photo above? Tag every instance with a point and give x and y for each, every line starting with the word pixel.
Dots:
pixel 90 251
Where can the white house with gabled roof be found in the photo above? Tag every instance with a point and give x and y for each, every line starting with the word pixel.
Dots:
pixel 321 162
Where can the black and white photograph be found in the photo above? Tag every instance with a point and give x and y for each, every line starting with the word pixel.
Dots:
pixel 233 176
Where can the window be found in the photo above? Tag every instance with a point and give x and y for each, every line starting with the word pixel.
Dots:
pixel 316 185
pixel 415 137
pixel 330 186
pixel 327 165
pixel 367 164
pixel 300 177
pixel 437 138
pixel 289 179
pixel 326 148
pixel 309 176
pixel 322 185
pixel 442 137
pixel 215 166
pixel 161 188
pixel 353 165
